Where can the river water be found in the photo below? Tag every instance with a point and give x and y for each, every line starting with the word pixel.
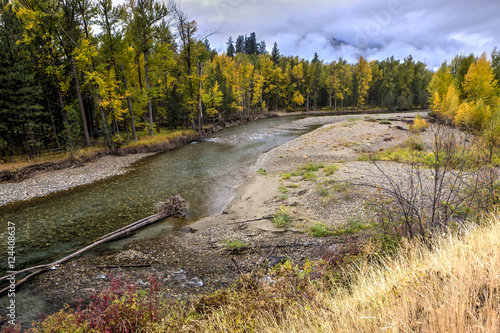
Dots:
pixel 204 173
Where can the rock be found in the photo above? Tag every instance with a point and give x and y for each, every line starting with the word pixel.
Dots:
pixel 275 260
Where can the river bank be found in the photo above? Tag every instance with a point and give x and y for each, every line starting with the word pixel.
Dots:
pixel 191 263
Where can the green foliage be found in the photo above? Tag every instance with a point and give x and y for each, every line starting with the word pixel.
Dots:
pixel 283 197
pixel 312 167
pixel 384 122
pixel 320 230
pixel 235 244
pixel 283 189
pixel 309 175
pixel 354 225
pixel 262 172
pixel 282 217
pixel 330 169
pixel 285 175
pixel 333 191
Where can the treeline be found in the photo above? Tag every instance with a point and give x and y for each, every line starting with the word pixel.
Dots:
pixel 82 72
pixel 466 92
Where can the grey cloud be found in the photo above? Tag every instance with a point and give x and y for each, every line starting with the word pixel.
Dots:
pixel 431 31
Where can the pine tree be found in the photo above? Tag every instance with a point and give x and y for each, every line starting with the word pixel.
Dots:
pixel 230 48
pixel 261 48
pixel 495 64
pixel 275 54
pixel 22 115
pixel 251 44
pixel 240 44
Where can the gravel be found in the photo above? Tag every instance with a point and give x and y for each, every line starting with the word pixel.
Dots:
pixel 61 180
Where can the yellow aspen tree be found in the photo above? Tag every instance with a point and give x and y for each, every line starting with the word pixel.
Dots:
pixel 479 82
pixel 363 74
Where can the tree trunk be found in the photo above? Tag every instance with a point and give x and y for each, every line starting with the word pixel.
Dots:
pixel 104 120
pixel 330 99
pixel 200 110
pixel 80 102
pixel 150 106
pixel 129 103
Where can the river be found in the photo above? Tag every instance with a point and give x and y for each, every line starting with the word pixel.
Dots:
pixel 204 173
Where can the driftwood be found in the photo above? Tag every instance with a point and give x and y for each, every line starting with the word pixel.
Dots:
pixel 178 204
pixel 253 220
pixel 124 266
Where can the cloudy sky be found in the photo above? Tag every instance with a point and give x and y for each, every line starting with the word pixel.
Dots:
pixel 430 30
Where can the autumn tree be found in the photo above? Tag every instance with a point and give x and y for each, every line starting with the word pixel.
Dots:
pixel 145 14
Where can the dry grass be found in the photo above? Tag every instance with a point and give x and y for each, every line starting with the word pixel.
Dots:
pixel 453 288
pixel 164 136
pixel 21 161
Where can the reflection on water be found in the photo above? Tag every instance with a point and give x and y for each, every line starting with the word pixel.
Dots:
pixel 205 174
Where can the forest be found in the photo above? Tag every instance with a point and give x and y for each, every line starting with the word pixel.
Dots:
pixel 76 73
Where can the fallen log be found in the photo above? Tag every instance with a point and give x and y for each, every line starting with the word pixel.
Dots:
pixel 178 201
pixel 124 266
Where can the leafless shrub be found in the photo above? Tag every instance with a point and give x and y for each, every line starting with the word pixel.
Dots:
pixel 440 186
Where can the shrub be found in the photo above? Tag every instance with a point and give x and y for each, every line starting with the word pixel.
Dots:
pixel 313 167
pixel 283 189
pixel 354 225
pixel 330 169
pixel 384 122
pixel 285 175
pixel 418 125
pixel 283 197
pixel 235 244
pixel 320 230
pixel 281 218
pixel 119 308
pixel 309 175
pixel 415 143
pixel 262 172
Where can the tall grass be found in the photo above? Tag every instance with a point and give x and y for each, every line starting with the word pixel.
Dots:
pixel 455 287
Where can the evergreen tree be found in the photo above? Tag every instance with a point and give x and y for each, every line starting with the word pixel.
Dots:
pixel 275 54
pixel 240 44
pixel 261 48
pixel 316 58
pixel 230 48
pixel 495 64
pixel 22 123
pixel 251 44
pixel 206 42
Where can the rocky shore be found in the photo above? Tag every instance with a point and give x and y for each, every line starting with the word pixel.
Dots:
pixel 54 181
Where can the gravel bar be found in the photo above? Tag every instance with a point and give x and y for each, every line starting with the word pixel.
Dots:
pixel 61 180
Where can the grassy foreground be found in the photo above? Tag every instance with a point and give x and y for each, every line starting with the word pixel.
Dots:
pixel 453 285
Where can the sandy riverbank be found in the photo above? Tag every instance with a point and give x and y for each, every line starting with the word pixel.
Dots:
pixel 190 263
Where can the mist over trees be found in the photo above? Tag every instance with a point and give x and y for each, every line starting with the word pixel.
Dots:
pixel 76 73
